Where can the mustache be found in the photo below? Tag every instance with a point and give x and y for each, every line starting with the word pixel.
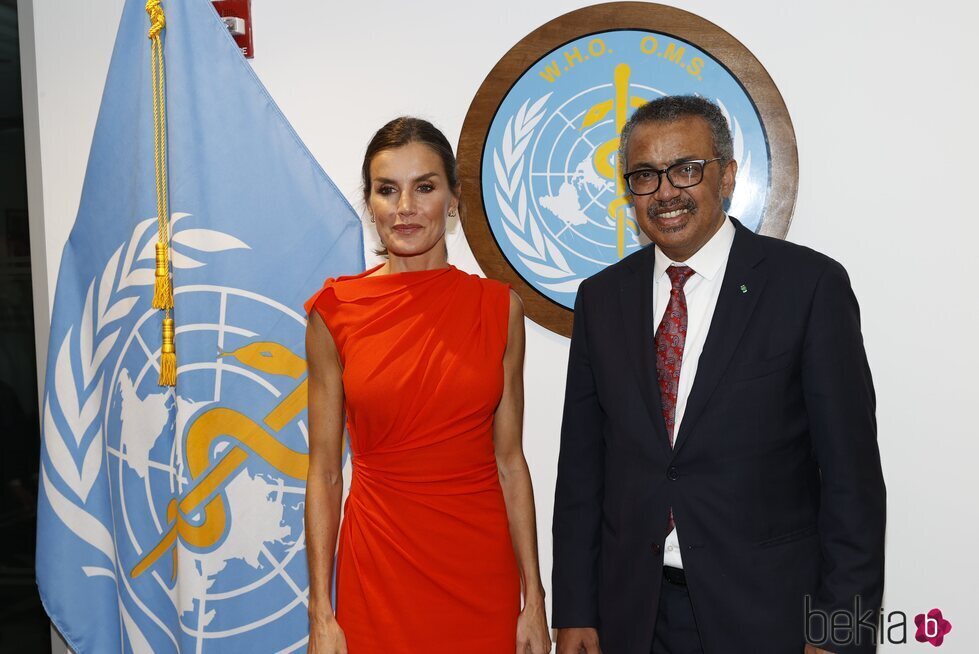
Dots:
pixel 664 207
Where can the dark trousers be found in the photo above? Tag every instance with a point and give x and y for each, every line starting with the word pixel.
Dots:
pixel 676 630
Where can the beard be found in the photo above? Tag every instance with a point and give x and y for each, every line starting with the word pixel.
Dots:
pixel 655 209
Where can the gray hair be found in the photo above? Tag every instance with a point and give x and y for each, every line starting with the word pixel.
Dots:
pixel 671 108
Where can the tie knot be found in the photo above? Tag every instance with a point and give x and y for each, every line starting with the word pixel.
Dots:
pixel 679 275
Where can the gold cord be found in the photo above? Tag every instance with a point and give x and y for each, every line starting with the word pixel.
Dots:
pixel 163 287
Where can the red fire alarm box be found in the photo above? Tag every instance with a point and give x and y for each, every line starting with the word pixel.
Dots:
pixel 237 15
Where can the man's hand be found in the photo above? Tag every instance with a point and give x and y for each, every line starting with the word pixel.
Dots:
pixel 578 640
pixel 812 649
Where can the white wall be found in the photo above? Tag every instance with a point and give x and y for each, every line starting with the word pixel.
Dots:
pixel 886 89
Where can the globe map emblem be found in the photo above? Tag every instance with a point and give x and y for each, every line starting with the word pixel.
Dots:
pixel 569 180
pixel 257 560
pixel 552 190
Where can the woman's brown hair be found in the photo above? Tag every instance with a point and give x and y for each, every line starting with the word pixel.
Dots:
pixel 402 131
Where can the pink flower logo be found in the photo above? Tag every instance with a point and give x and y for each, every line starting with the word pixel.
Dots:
pixel 932 627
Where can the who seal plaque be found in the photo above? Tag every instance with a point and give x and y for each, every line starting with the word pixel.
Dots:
pixel 546 206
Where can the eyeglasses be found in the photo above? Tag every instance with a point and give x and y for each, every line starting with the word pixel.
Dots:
pixel 685 174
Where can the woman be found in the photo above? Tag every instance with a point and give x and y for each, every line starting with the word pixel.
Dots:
pixel 425 362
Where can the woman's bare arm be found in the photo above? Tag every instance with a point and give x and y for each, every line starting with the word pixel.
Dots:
pixel 324 485
pixel 518 491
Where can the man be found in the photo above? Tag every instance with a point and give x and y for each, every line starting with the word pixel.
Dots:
pixel 719 483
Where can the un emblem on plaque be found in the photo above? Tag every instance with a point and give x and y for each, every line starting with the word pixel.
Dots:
pixel 545 203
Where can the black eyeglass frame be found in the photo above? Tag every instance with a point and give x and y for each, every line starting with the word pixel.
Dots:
pixel 666 171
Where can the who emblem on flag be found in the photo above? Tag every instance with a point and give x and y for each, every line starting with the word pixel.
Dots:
pixel 170 518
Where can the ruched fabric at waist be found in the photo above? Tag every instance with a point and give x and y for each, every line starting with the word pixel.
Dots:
pixel 439 469
pixel 459 480
pixel 451 463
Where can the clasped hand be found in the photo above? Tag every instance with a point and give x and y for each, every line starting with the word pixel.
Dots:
pixel 326 637
pixel 532 633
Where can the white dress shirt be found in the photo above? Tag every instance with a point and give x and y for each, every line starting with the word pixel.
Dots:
pixel 701 291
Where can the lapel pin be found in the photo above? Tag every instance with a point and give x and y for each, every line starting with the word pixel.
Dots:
pixel 744 288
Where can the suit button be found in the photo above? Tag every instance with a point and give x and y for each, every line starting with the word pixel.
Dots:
pixel 656 548
pixel 672 473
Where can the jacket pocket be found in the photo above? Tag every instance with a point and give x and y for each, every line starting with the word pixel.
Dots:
pixel 789 537
pixel 756 369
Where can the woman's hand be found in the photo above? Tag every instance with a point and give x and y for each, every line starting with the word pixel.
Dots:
pixel 326 637
pixel 532 634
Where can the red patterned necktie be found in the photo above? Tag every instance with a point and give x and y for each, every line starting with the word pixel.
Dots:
pixel 670 336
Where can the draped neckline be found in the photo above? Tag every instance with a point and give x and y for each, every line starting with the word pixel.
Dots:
pixel 364 285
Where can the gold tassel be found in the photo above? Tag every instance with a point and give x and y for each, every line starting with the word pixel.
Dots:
pixel 168 356
pixel 162 290
pixel 163 287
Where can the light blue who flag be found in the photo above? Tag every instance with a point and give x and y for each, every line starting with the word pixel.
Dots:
pixel 171 519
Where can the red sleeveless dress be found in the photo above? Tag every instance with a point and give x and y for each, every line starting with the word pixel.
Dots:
pixel 424 562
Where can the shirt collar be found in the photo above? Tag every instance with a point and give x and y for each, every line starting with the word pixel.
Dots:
pixel 708 260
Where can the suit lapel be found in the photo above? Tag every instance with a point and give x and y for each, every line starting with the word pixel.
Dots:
pixel 636 301
pixel 741 288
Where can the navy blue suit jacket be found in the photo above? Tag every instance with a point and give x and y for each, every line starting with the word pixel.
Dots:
pixel 775 482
